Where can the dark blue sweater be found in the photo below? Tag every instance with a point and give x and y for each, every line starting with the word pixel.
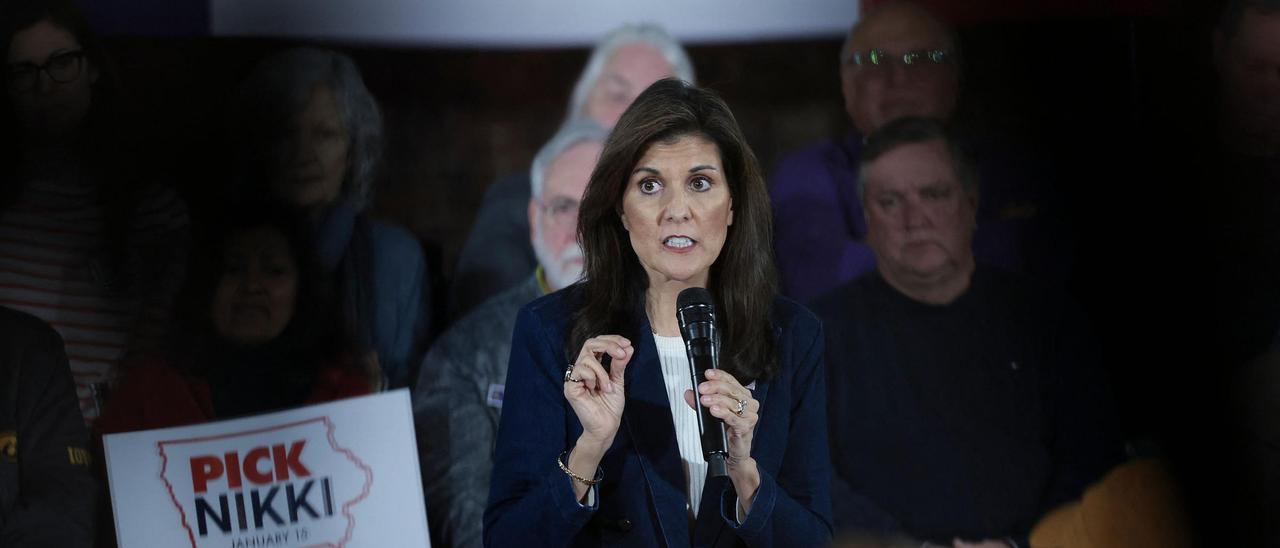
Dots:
pixel 966 420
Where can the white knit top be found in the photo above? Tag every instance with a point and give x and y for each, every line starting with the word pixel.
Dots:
pixel 675 375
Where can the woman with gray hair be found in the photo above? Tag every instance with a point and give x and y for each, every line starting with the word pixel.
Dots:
pixel 312 136
pixel 497 254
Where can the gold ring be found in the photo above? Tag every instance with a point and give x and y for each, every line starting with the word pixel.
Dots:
pixel 742 406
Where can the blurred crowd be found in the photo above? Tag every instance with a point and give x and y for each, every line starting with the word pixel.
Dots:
pixel 972 396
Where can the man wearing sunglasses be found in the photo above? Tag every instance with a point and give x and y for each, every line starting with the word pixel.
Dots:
pixel 899 60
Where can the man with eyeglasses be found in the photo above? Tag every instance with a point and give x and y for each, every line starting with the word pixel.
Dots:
pixel 898 60
pixel 458 398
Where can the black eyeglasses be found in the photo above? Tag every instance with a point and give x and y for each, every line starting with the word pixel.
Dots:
pixel 62 68
pixel 879 57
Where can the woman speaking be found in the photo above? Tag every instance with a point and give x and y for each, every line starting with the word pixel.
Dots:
pixel 599 441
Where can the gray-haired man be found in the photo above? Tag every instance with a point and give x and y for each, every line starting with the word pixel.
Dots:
pixel 624 63
pixel 460 387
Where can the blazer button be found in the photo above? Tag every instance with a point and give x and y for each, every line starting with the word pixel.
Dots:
pixel 624 524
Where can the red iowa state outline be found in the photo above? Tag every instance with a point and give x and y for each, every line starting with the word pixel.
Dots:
pixel 333 444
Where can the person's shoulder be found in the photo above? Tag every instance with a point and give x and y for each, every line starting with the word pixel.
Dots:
pixel 793 316
pixel 1016 288
pixel 152 373
pixel 554 307
pixel 514 297
pixel 547 318
pixel 393 238
pixel 495 314
pixel 159 208
pixel 799 338
pixel 20 327
pixel 817 157
pixel 510 188
pixel 840 300
pixel 396 249
pixel 820 152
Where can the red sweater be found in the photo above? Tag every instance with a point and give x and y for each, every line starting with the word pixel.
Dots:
pixel 155 394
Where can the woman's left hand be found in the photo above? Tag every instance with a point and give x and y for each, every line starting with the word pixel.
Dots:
pixel 730 402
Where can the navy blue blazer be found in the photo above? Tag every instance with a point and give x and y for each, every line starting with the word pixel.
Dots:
pixel 641 500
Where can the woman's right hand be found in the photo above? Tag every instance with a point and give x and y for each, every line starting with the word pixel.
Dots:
pixel 598 396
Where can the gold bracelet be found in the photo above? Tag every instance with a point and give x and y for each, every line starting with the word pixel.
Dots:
pixel 589 483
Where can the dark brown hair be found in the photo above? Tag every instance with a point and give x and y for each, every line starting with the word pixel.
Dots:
pixel 314 337
pixel 912 130
pixel 742 279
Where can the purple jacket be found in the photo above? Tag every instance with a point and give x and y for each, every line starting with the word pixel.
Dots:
pixel 820 231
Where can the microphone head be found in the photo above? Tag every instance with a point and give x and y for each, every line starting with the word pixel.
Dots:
pixel 694 296
pixel 696 313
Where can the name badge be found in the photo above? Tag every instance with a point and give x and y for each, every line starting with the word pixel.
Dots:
pixel 494 396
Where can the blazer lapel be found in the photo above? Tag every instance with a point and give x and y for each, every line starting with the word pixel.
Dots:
pixel 647 418
pixel 759 388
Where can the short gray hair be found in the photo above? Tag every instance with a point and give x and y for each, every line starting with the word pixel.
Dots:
pixel 574 131
pixel 278 89
pixel 650 34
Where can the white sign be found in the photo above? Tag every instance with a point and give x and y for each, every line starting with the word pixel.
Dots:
pixel 522 23
pixel 308 477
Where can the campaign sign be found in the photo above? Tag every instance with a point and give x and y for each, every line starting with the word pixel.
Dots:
pixel 314 476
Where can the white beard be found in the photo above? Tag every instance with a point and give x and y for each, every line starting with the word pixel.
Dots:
pixel 561 270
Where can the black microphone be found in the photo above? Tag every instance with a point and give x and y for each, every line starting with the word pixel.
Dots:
pixel 697 316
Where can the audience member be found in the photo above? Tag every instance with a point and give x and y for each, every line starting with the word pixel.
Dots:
pixel 459 395
pixel 89 246
pixel 1245 169
pixel 497 254
pixel 257 332
pixel 898 60
pixel 1247 57
pixel 310 128
pixel 46 491
pixel 964 401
